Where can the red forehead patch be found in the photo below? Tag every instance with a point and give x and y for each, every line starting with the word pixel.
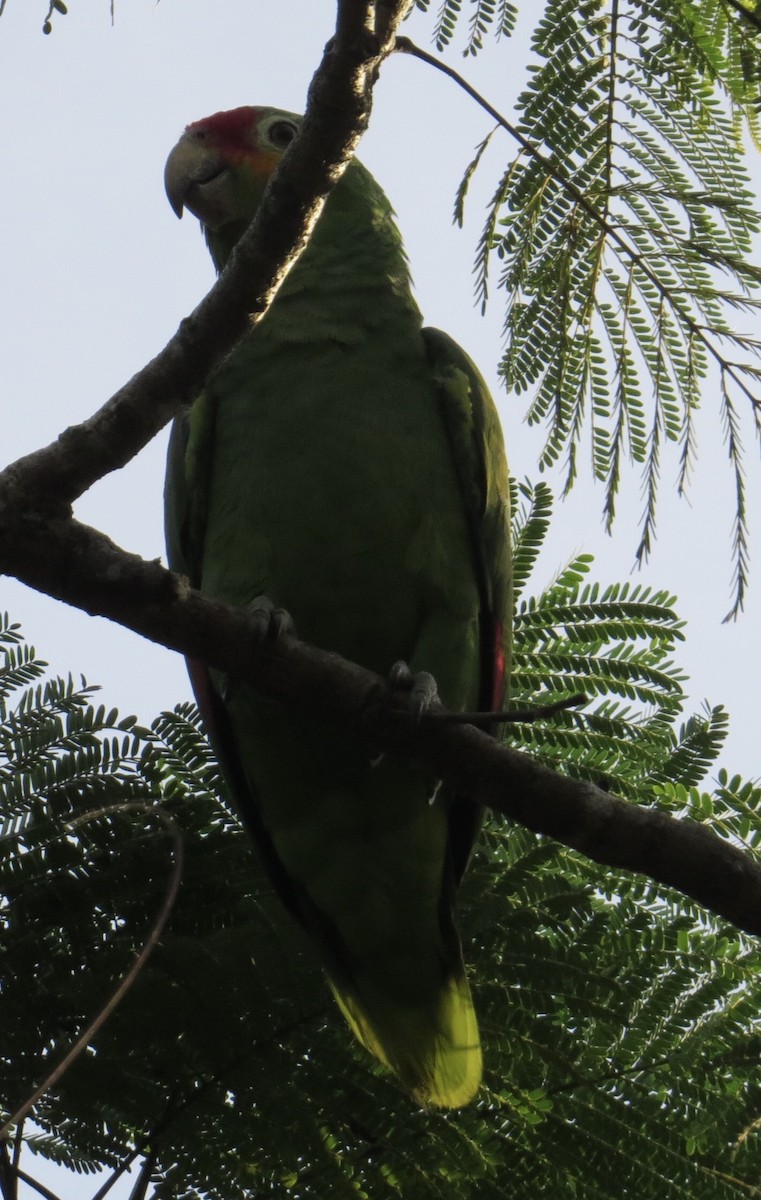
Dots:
pixel 230 129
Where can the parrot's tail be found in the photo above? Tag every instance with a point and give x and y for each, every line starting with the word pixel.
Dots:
pixel 434 1049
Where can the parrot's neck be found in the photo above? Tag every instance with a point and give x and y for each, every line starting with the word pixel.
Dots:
pixel 354 258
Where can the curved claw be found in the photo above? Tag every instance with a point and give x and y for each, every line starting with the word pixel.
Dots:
pixel 268 624
pixel 421 687
pixel 268 620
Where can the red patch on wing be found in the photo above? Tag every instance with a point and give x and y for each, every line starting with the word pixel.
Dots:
pixel 200 681
pixel 498 670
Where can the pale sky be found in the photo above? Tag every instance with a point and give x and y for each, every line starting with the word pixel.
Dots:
pixel 97 273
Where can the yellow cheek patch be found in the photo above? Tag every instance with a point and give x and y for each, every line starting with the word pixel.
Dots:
pixel 263 162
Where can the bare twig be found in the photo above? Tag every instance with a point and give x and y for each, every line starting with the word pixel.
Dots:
pixel 37 1186
pixel 143 1181
pixel 131 975
pixel 8 1177
pixel 517 716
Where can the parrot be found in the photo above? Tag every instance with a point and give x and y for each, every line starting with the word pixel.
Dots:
pixel 345 466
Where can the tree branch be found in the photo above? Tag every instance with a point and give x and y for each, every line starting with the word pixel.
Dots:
pixel 82 567
pixel 143 1181
pixel 43 546
pixel 38 1187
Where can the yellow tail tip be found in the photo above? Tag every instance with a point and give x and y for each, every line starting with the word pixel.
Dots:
pixel 433 1049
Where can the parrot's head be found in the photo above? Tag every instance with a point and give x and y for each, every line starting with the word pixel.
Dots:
pixel 220 166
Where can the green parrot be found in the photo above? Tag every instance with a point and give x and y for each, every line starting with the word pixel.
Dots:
pixel 348 465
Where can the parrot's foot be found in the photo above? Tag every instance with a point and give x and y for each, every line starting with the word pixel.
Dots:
pixel 420 690
pixel 420 686
pixel 268 620
pixel 268 623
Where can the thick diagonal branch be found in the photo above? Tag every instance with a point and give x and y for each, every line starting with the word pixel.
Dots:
pixel 81 566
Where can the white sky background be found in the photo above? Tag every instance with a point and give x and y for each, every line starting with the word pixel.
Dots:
pixel 97 273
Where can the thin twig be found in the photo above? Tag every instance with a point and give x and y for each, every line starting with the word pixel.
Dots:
pixel 38 1187
pixel 517 716
pixel 18 1145
pixel 129 978
pixel 143 1181
pixel 8 1177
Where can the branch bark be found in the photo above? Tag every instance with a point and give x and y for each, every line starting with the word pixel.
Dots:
pixel 43 546
pixel 81 566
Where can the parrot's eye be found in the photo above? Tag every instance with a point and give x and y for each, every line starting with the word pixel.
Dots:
pixel 282 133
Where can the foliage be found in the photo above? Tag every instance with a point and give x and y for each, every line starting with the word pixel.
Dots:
pixel 620 1022
pixel 621 232
pixel 500 15
pixel 615 645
